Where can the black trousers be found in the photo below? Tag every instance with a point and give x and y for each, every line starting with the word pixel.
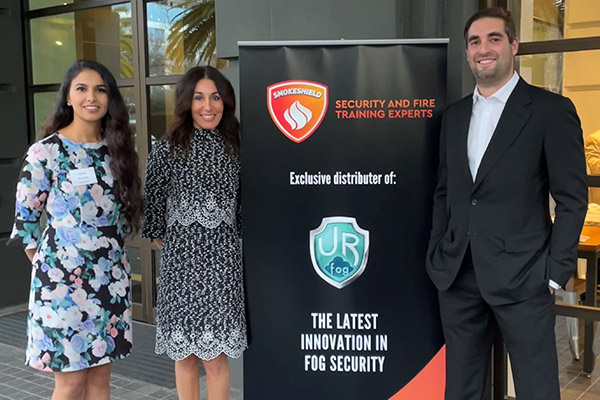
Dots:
pixel 527 328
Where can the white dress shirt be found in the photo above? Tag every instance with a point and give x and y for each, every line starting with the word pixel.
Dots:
pixel 484 119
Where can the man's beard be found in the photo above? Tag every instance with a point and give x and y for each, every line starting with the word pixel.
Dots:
pixel 488 78
pixel 486 75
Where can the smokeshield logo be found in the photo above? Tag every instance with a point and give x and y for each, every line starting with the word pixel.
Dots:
pixel 297 107
pixel 297 116
pixel 339 250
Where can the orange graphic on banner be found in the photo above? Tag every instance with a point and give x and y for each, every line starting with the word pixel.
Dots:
pixel 297 107
pixel 429 384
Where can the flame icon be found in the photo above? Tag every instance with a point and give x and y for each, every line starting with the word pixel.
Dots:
pixel 297 107
pixel 297 115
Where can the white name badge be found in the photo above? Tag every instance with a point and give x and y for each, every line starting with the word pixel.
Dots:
pixel 83 176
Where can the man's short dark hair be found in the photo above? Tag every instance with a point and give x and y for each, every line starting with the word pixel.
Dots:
pixel 494 12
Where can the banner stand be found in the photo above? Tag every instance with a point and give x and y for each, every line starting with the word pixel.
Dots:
pixel 339 163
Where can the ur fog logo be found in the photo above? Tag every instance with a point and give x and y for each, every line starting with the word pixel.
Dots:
pixel 339 250
pixel 297 107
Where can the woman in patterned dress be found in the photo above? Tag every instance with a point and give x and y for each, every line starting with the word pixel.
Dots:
pixel 83 175
pixel 192 212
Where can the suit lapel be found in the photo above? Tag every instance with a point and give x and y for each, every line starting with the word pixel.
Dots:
pixel 516 113
pixel 460 128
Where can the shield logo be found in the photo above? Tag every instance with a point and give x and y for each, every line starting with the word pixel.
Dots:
pixel 297 107
pixel 339 250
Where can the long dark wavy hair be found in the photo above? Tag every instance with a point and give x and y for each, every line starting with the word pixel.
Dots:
pixel 115 131
pixel 181 130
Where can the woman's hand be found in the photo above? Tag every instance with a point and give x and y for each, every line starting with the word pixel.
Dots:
pixel 158 242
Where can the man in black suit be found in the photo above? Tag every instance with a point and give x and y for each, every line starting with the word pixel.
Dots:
pixel 495 254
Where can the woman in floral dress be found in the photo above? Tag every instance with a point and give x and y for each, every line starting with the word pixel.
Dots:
pixel 192 211
pixel 83 175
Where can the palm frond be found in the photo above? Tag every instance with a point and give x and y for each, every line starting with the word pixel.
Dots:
pixel 126 53
pixel 192 34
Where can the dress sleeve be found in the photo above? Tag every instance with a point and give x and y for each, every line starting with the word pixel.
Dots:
pixel 238 211
pixel 156 192
pixel 32 192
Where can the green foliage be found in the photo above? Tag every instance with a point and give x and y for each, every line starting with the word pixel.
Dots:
pixel 126 43
pixel 192 36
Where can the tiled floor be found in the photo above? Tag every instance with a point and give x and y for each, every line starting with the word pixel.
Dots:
pixel 20 382
pixel 575 385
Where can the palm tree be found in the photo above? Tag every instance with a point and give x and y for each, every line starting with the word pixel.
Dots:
pixel 126 41
pixel 192 37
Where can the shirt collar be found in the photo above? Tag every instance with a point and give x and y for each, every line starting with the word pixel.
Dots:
pixel 501 94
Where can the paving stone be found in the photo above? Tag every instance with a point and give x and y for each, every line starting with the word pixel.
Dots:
pixel 148 389
pixel 133 396
pixel 134 386
pixel 160 394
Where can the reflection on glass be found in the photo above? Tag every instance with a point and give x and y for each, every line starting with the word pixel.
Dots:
pixel 538 19
pixel 543 70
pixel 101 34
pixel 162 103
pixel 129 98
pixel 36 4
pixel 555 19
pixel 42 108
pixel 135 261
pixel 181 36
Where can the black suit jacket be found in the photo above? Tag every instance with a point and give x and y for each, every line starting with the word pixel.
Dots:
pixel 536 149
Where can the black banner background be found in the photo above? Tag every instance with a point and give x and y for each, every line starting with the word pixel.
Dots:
pixel 282 287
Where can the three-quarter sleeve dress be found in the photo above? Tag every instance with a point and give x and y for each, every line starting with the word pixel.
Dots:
pixel 192 203
pixel 79 305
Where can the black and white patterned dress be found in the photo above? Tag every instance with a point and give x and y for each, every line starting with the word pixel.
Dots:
pixel 193 204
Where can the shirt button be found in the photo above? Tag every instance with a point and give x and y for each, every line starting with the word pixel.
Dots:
pixel 474 202
pixel 468 233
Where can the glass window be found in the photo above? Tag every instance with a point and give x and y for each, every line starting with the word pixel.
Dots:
pixel 101 34
pixel 128 94
pixel 555 19
pixel 42 108
pixel 543 70
pixel 135 261
pixel 181 34
pixel 162 104
pixel 36 4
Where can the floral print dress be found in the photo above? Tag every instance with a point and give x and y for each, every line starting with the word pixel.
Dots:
pixel 80 298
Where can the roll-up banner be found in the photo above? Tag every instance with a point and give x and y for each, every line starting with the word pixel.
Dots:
pixel 339 163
